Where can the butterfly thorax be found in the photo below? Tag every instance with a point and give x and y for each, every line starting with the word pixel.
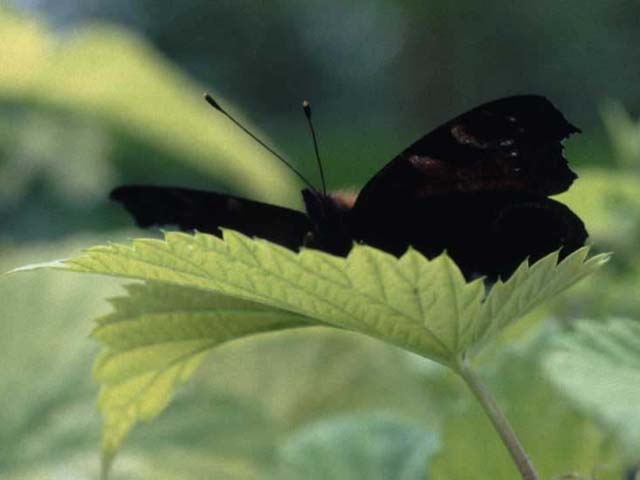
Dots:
pixel 329 222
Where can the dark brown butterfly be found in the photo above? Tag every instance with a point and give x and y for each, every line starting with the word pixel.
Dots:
pixel 476 187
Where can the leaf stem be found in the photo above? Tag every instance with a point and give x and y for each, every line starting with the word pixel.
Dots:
pixel 499 421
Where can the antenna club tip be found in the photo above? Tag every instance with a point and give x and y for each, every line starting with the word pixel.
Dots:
pixel 306 106
pixel 211 101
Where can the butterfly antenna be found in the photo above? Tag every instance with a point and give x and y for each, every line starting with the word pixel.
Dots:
pixel 307 113
pixel 211 101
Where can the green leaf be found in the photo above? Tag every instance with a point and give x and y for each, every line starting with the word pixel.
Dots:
pixel 159 334
pixel 112 75
pixel 49 424
pixel 624 133
pixel 609 199
pixel 155 339
pixel 597 366
pixel 424 306
pixel 313 373
pixel 375 447
pixel 50 427
pixel 531 286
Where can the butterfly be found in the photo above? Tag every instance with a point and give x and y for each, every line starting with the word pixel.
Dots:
pixel 476 186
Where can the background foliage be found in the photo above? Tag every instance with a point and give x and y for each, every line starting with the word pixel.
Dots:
pixel 97 93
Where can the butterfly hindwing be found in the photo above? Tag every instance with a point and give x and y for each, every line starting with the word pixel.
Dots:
pixel 486 233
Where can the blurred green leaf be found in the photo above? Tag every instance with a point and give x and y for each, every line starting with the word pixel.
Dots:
pixel 558 439
pixel 307 374
pixel 597 366
pixel 624 133
pixel 109 75
pixel 608 201
pixel 47 408
pixel 209 434
pixel 375 447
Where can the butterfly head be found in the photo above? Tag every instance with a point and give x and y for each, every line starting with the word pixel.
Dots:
pixel 329 221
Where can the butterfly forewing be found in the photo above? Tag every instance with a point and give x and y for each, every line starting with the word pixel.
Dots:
pixel 509 144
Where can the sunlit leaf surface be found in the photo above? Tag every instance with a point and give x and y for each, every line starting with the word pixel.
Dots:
pixel 424 306
pixel 156 337
pixel 159 334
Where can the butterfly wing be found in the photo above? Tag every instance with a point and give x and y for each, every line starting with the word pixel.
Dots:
pixel 455 188
pixel 512 143
pixel 491 233
pixel 209 211
pixel 486 233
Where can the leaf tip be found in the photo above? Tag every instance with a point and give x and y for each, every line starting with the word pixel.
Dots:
pixel 55 264
pixel 601 258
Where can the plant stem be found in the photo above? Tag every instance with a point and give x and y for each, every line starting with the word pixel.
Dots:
pixel 499 421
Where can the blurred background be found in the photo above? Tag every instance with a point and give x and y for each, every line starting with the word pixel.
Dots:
pixel 98 93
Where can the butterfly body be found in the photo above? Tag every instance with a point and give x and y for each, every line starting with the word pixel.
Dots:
pixel 476 186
